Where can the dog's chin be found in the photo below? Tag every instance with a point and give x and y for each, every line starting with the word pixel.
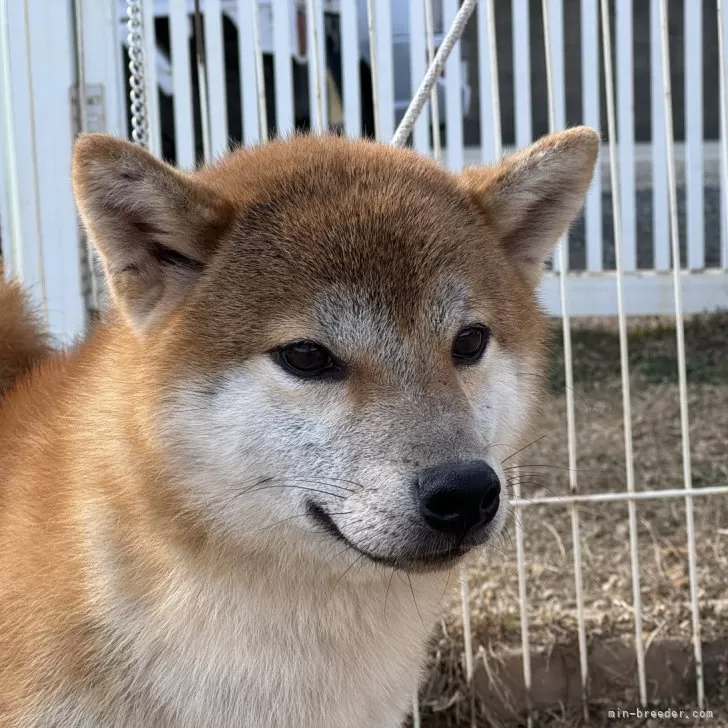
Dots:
pixel 419 560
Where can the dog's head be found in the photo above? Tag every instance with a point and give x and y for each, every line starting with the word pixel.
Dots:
pixel 345 338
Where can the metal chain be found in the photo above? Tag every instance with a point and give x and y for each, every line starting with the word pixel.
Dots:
pixel 137 96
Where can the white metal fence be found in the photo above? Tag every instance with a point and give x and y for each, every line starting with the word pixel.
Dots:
pixel 274 65
pixel 493 95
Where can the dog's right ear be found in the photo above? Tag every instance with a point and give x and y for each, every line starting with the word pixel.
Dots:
pixel 154 227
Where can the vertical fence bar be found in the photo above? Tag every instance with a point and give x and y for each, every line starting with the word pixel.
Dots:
pixel 623 354
pixel 523 601
pixel 453 95
pixel 491 145
pixel 154 125
pixel 184 131
pixel 350 67
pixel 590 85
pixel 6 246
pixel 434 96
pixel 259 72
pixel 418 67
pixel 554 112
pixel 660 212
pixel 522 72
pixel 374 64
pixel 202 88
pixel 693 18
pixel 723 75
pixel 416 719
pixel 248 95
pixel 316 65
pixel 283 73
pixel 681 361
pixel 468 640
pixel 49 29
pixel 21 156
pixel 217 96
pixel 103 63
pixel 625 129
pixel 385 68
pixel 12 218
pixel 554 41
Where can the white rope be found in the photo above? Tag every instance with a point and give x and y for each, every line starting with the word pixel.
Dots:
pixel 433 72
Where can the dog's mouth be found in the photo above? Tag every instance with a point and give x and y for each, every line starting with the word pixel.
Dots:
pixel 422 561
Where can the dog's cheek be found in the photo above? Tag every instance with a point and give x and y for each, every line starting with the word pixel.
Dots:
pixel 241 444
pixel 504 396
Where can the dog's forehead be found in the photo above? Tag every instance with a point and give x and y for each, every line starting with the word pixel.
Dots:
pixel 357 314
pixel 352 241
pixel 377 222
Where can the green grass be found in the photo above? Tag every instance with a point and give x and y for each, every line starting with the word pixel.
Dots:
pixel 652 347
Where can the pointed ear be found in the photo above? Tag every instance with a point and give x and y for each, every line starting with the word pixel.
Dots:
pixel 154 227
pixel 531 197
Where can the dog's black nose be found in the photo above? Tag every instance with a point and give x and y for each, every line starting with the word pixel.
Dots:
pixel 456 497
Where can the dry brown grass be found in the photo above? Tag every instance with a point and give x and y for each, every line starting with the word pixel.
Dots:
pixel 606 569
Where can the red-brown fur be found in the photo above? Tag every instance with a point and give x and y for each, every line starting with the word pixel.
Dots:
pixel 266 228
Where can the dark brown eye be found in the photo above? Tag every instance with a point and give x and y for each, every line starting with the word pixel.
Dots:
pixel 470 344
pixel 306 359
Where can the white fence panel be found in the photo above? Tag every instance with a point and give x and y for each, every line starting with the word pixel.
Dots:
pixel 590 84
pixel 625 131
pixel 282 25
pixel 491 136
pixel 24 218
pixel 316 53
pixel 695 198
pixel 215 77
pixel 151 54
pixel 722 12
pixel 179 33
pixel 36 46
pixel 350 67
pixel 453 96
pixel 522 72
pixel 385 71
pixel 660 220
pixel 418 67
pixel 248 83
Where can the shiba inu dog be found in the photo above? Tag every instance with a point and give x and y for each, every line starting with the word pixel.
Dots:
pixel 237 502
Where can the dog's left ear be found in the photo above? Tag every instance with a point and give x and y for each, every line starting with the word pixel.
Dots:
pixel 531 197
pixel 155 228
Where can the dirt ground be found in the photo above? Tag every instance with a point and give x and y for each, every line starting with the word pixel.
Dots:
pixel 606 573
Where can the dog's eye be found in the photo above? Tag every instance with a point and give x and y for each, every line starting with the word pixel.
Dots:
pixel 470 344
pixel 307 359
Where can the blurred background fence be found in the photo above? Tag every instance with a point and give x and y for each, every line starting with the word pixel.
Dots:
pixel 49 48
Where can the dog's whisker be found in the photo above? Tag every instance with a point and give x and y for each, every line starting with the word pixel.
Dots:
pixel 525 447
pixel 414 599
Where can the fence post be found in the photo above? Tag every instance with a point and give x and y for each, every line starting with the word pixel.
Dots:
pixel 37 57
